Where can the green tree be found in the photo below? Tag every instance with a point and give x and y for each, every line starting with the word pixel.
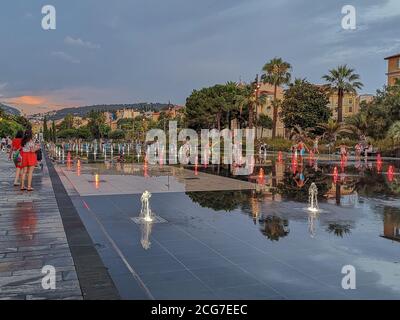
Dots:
pixel 83 133
pixel 9 127
pixel 53 132
pixel 45 130
pixel 212 107
pixel 67 123
pixel 358 123
pixel 97 125
pixel 343 80
pixel 117 134
pixel 332 129
pixel 67 134
pixel 276 73
pixel 305 105
pixel 264 122
pixel 394 132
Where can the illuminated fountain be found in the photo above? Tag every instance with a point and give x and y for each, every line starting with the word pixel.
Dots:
pixel 145 238
pixel 313 198
pixel 146 214
pixel 146 219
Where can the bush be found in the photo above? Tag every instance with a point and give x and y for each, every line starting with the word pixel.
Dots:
pixel 9 128
pixel 117 134
pixel 277 144
pixel 67 134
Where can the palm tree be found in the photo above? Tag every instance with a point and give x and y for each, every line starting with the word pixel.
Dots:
pixel 358 124
pixel 264 122
pixel 276 73
pixel 343 80
pixel 333 129
pixel 250 99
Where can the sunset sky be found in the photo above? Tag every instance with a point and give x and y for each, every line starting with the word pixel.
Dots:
pixel 130 51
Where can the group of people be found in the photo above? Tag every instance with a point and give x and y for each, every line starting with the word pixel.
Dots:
pixel 26 153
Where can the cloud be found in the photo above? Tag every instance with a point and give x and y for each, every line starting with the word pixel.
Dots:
pixel 65 56
pixel 3 85
pixel 380 11
pixel 80 43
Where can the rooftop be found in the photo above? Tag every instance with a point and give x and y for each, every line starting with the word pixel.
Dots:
pixel 394 56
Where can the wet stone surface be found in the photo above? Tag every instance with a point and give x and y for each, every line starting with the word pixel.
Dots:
pixel 32 236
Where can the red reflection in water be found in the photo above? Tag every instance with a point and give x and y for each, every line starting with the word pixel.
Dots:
pixel 335 175
pixel 294 164
pixel 343 163
pixel 25 221
pixel 261 177
pixel 379 163
pixel 196 168
pixel 390 173
pixel 280 157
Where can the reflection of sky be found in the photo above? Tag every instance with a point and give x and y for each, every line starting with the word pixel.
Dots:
pixel 363 247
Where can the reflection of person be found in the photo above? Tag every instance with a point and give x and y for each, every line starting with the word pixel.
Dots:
pixel 299 178
pixel 358 150
pixel 315 146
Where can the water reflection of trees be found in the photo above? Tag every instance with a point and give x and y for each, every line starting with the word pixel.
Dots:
pixel 274 228
pixel 289 189
pixel 220 200
pixel 339 229
pixel 372 184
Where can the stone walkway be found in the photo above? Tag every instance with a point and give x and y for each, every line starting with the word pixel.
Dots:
pixel 32 236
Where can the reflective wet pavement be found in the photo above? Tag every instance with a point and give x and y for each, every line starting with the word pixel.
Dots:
pixel 258 242
pixel 32 236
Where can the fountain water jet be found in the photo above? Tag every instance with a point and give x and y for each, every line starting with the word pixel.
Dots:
pixel 313 198
pixel 145 213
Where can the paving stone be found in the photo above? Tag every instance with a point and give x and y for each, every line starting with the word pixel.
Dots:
pixel 32 235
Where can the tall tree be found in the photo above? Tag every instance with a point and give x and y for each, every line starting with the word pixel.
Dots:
pixel 305 105
pixel 45 130
pixel 276 73
pixel 343 80
pixel 53 132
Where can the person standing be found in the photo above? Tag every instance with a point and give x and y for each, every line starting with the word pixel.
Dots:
pixel 29 159
pixel 315 147
pixel 15 154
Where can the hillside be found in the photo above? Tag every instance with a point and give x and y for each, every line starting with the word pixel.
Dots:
pixel 83 111
pixel 10 110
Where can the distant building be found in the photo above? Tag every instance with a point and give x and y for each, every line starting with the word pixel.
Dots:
pixel 393 73
pixel 155 116
pixel 127 113
pixel 391 226
pixel 267 90
pixel 351 104
pixel 367 98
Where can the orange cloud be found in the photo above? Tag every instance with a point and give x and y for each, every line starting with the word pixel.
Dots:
pixel 35 104
pixel 28 100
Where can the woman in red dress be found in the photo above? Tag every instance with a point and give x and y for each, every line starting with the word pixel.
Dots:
pixel 16 148
pixel 29 149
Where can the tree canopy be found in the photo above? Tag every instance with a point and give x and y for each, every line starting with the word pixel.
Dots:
pixel 305 105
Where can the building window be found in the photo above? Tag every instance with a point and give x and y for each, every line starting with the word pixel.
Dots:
pixel 350 109
pixel 397 232
pixel 398 63
pixel 350 101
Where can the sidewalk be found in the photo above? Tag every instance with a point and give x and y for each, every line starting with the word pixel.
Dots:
pixel 32 236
